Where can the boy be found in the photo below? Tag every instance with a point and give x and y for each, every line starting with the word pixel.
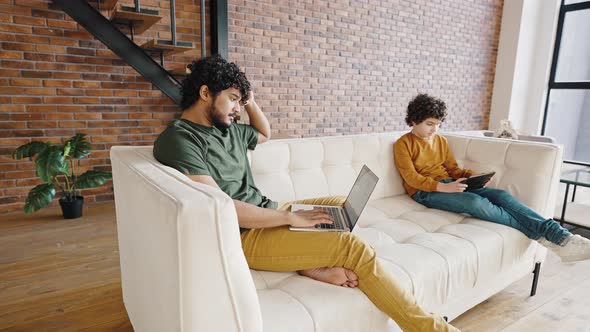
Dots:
pixel 433 178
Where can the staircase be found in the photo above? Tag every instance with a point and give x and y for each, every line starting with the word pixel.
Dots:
pixel 120 23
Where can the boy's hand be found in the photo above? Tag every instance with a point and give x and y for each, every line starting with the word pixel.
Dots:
pixel 309 218
pixel 452 187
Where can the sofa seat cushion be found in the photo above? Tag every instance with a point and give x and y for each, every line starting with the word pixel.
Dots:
pixel 290 302
pixel 460 252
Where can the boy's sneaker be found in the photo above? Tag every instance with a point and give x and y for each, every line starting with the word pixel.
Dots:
pixel 575 248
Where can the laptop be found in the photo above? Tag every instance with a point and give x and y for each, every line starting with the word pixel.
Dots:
pixel 346 216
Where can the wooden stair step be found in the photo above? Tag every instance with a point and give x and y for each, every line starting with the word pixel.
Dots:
pixel 104 4
pixel 179 71
pixel 166 46
pixel 141 21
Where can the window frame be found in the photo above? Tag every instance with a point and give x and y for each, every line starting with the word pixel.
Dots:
pixel 553 85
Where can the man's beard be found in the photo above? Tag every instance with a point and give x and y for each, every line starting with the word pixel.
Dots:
pixel 217 118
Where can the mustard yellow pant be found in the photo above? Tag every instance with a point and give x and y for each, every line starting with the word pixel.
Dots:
pixel 278 249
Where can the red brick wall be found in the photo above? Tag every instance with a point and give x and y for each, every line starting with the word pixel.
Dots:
pixel 333 67
pixel 57 80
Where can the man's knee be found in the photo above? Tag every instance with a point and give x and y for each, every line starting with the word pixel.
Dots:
pixel 357 246
pixel 351 238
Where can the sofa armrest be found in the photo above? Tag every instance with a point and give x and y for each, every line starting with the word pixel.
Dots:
pixel 530 171
pixel 182 264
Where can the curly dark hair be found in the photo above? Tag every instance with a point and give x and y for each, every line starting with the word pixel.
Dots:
pixel 423 107
pixel 217 74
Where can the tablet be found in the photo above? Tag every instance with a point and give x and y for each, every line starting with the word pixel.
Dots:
pixel 477 181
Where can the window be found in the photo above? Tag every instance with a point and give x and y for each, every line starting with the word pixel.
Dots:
pixel 567 110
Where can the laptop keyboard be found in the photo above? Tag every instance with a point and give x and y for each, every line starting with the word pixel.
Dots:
pixel 334 213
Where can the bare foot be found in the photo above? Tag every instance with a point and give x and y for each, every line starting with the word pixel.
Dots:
pixel 338 276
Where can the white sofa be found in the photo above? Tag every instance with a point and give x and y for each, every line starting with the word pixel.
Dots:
pixel 182 267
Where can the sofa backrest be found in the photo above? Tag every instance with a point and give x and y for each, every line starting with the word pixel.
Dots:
pixel 292 169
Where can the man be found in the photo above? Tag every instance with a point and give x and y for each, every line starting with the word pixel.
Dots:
pixel 209 148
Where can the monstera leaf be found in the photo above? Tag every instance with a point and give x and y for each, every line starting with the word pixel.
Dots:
pixel 29 150
pixel 50 162
pixel 92 178
pixel 79 147
pixel 39 197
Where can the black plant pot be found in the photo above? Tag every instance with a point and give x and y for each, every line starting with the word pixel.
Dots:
pixel 71 209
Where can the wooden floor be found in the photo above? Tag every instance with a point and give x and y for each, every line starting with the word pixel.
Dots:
pixel 63 275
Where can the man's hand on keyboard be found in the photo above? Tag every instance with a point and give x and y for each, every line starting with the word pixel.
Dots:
pixel 309 218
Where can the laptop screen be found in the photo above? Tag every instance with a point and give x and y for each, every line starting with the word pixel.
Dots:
pixel 359 194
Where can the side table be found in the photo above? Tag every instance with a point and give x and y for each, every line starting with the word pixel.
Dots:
pixel 575 178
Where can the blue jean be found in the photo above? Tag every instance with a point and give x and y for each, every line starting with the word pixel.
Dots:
pixel 497 206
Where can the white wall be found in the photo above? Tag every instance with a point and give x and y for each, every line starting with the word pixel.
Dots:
pixel 524 61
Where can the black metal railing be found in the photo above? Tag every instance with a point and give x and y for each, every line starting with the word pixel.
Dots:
pixel 120 44
pixel 124 47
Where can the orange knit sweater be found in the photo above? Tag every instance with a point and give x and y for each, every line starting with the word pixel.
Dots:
pixel 422 163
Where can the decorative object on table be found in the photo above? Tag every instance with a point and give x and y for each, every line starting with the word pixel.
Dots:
pixel 55 165
pixel 506 130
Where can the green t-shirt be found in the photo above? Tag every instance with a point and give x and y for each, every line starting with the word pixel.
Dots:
pixel 220 153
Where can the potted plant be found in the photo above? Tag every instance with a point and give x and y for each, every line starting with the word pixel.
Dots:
pixel 55 166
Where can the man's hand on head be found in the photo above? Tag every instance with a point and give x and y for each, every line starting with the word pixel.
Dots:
pixel 257 119
pixel 250 99
pixel 309 218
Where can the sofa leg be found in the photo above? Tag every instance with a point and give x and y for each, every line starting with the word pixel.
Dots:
pixel 536 272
